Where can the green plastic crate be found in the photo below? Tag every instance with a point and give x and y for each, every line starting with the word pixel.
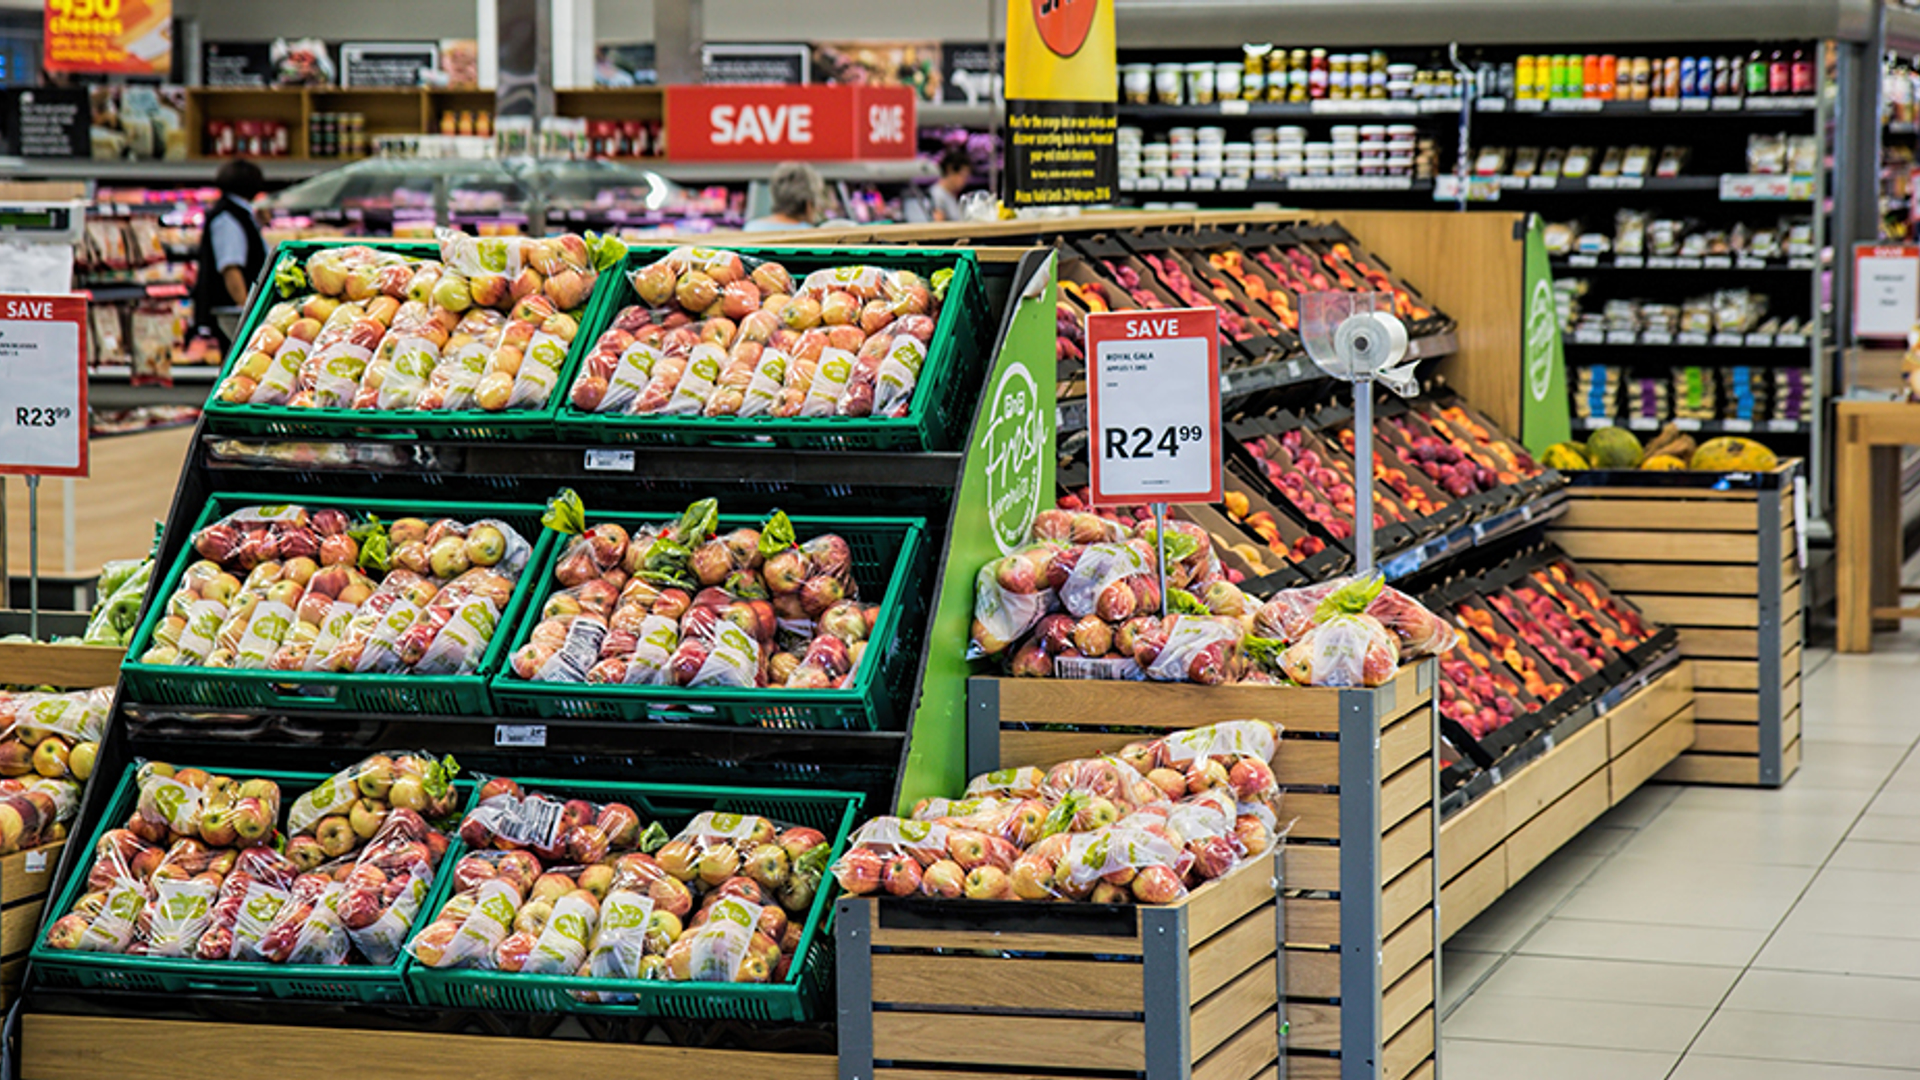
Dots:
pixel 281 421
pixel 225 688
pixel 943 400
pixel 893 550
pixel 834 813
pixel 65 969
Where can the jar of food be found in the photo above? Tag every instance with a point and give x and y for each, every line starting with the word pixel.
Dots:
pixel 1200 83
pixel 1226 82
pixel 1169 83
pixel 1136 84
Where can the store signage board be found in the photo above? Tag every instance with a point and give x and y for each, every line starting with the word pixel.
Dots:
pixel 970 72
pixel 43 365
pixel 1062 107
pixel 108 37
pixel 723 64
pixel 1153 397
pixel 782 123
pixel 1886 294
pixel 387 63
pixel 237 63
pixel 1545 411
pixel 52 122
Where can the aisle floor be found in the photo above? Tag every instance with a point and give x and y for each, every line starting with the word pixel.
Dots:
pixel 1717 933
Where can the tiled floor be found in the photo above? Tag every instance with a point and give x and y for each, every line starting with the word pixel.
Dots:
pixel 1722 934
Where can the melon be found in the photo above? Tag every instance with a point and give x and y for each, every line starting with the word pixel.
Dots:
pixel 1565 456
pixel 1663 463
pixel 1613 448
pixel 1731 453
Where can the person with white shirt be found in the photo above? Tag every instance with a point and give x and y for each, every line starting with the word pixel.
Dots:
pixel 232 251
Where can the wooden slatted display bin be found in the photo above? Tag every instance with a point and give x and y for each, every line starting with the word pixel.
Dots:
pixel 25 876
pixel 1716 555
pixel 1188 990
pixel 1592 760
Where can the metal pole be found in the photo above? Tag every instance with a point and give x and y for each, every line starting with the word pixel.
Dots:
pixel 1362 476
pixel 1160 534
pixel 33 556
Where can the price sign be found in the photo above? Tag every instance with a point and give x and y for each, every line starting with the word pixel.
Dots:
pixel 1153 389
pixel 43 358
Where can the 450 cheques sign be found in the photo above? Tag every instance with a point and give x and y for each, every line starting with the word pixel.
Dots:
pixel 109 37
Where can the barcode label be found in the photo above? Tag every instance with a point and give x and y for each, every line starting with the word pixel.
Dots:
pixel 534 735
pixel 609 461
pixel 535 822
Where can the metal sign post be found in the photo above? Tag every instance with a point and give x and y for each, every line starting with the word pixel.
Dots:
pixel 33 556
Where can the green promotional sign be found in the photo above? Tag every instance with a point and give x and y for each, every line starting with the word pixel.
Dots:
pixel 1008 479
pixel 1545 413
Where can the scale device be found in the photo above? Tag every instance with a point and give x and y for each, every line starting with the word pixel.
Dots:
pixel 37 241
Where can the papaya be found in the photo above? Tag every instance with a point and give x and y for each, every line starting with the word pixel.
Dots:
pixel 1565 456
pixel 1731 453
pixel 1663 463
pixel 1613 448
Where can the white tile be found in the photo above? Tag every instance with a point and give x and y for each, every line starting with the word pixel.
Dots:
pixel 1530 900
pixel 1757 835
pixel 1854 854
pixel 1789 799
pixel 1643 941
pixel 1899 829
pixel 1859 916
pixel 1879 886
pixel 1833 1041
pixel 1799 950
pixel 1600 1025
pixel 1460 969
pixel 1804 993
pixel 1640 807
pixel 1705 1067
pixel 1484 1060
pixel 1896 803
pixel 1611 980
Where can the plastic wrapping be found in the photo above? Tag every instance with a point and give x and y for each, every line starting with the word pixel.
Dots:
pixel 1347 647
pixel 405 780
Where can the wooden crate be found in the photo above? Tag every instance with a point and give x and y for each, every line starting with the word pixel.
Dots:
pixel 1717 556
pixel 1357 770
pixel 1599 756
pixel 70 667
pixel 25 877
pixel 1185 990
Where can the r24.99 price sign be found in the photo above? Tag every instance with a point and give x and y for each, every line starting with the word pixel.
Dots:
pixel 43 368
pixel 1153 409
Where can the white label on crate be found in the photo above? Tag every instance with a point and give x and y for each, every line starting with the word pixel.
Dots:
pixel 1588 337
pixel 1687 262
pixel 520 735
pixel 1728 340
pixel 1542 183
pixel 1790 341
pixel 1233 183
pixel 1497 104
pixel 1529 105
pixel 1695 104
pixel 1726 103
pixel 1659 262
pixel 36 862
pixel 1759 341
pixel 1736 425
pixel 609 461
pixel 1203 183
pixel 1643 423
pixel 1516 183
pixel 1748 262
pixel 1686 424
pixel 1783 425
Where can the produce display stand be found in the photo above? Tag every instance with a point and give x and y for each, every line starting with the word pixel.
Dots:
pixel 1358 969
pixel 1717 555
pixel 1585 764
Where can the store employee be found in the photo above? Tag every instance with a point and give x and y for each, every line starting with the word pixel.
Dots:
pixel 232 250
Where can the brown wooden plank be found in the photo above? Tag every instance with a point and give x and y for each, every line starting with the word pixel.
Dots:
pixel 67 667
pixel 1790 696
pixel 1409 895
pixel 1034 1042
pixel 16 883
pixel 1312 1026
pixel 1712 769
pixel 1313 922
pixel 1313 973
pixel 1408 1050
pixel 1695 579
pixel 1424 1072
pixel 1180 705
pixel 1003 983
pixel 1409 790
pixel 1790 728
pixel 1405 948
pixel 1034 747
pixel 959 1074
pixel 1221 1016
pixel 11 972
pixel 1790 665
pixel 1406 740
pixel 1792 629
pixel 1710 611
pixel 1250 1055
pixel 1648 708
pixel 1219 904
pixel 998 942
pixel 1675 494
pixel 1654 546
pixel 1739 705
pixel 1224 956
pixel 1303 1067
pixel 1698 642
pixel 1790 760
pixel 1726 674
pixel 18 925
pixel 1677 515
pixel 1650 755
pixel 55 1047
pixel 1472 891
pixel 1311 866
pixel 1402 1002
pixel 1314 762
pixel 1540 783
pixel 1726 738
pixel 1406 843
pixel 1315 816
pixel 1472 831
pixel 1531 843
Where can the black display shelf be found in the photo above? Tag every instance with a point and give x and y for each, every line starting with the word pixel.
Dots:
pixel 1323 109
pixel 1352 185
pixel 1683 340
pixel 1758 106
pixel 1434 553
pixel 1715 264
pixel 1707 427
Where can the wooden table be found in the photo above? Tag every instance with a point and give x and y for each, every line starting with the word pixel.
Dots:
pixel 1867 516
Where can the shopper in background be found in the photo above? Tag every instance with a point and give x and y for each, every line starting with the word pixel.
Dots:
pixel 798 198
pixel 232 251
pixel 956 172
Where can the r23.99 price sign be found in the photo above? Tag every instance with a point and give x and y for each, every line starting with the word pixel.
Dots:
pixel 1153 389
pixel 43 385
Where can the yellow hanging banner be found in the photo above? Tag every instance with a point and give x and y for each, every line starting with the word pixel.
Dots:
pixel 1060 50
pixel 1062 105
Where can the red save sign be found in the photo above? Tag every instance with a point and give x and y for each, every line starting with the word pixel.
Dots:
pixel 43 365
pixel 1153 408
pixel 778 123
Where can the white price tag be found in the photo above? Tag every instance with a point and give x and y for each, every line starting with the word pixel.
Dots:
pixel 609 461
pixel 1589 337
pixel 1790 341
pixel 43 410
pixel 1582 261
pixel 520 735
pixel 1736 425
pixel 1659 262
pixel 1695 104
pixel 1153 393
pixel 1716 262
pixel 1629 262
pixel 1656 337
pixel 1234 107
pixel 1174 183
pixel 1759 341
pixel 1542 183
pixel 1748 262
pixel 1691 337
pixel 1203 183
pixel 1687 262
pixel 1728 340
pixel 1496 104
pixel 1574 105
pixel 1726 103
pixel 1663 104
pixel 1529 105
pixel 1643 423
pixel 1622 337
pixel 36 862
pixel 1683 423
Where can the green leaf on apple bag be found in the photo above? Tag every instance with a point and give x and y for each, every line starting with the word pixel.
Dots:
pixel 440 776
pixel 1180 545
pixel 696 525
pixel 374 547
pixel 289 278
pixel 1352 598
pixel 939 282
pixel 1264 651
pixel 1182 602
pixel 777 535
pixel 652 839
pixel 607 251
pixel 1060 818
pixel 566 513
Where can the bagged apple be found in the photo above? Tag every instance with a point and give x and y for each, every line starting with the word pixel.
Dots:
pixel 469 927
pixel 562 944
pixel 405 780
pixel 871 849
pixel 725 947
pixel 1198 648
pixel 1132 860
pixel 1010 597
pixel 619 942
pixel 1108 787
pixel 387 885
pixel 248 900
pixel 1236 755
pixel 359 272
pixel 180 912
pixel 463 360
